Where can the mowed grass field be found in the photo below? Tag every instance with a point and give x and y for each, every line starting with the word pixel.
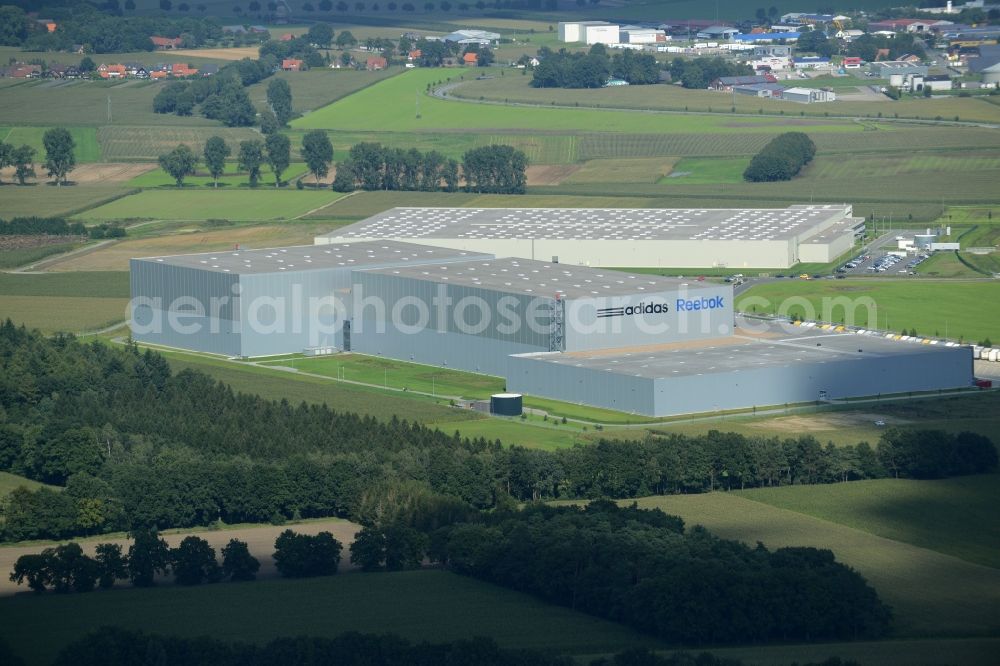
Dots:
pixel 958 309
pixel 319 87
pixel 953 516
pixel 67 302
pixel 931 593
pixel 85 138
pixel 261 204
pixel 9 482
pixel 432 606
pixel 394 103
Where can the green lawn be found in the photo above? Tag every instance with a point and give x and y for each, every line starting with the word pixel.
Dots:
pixel 85 139
pixel 261 204
pixel 420 606
pixel 393 104
pixel 953 516
pixel 957 309
pixel 395 374
pixel 318 87
pixel 277 384
pixel 705 170
pixel 932 594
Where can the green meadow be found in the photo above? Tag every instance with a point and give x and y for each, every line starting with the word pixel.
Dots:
pixel 934 308
pixel 262 204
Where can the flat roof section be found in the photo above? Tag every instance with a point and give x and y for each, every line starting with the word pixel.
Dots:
pixel 313 257
pixel 744 350
pixel 570 224
pixel 540 278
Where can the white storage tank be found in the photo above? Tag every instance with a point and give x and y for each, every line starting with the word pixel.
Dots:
pixel 995 355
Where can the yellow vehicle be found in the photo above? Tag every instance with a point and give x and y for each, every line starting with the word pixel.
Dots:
pixel 805 276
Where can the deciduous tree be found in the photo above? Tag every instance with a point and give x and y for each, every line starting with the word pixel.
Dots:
pixel 60 157
pixel 179 163
pixel 279 98
pixel 279 155
pixel 251 158
pixel 216 152
pixel 237 562
pixel 317 151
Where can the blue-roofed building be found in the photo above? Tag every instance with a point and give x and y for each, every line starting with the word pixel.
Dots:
pixel 767 37
pixel 811 62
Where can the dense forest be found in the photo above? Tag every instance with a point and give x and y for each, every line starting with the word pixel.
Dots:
pixel 222 97
pixel 136 445
pixel 698 73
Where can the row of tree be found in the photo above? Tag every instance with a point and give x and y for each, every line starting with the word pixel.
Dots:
pixel 372 166
pixel 641 568
pixel 698 73
pixel 112 646
pixel 782 158
pixel 138 446
pixel 275 151
pixel 57 226
pixel 563 69
pixel 60 156
pixel 65 568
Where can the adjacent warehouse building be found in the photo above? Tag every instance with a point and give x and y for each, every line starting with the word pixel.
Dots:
pixel 681 238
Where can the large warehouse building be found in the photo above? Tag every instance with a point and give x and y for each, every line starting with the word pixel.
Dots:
pixel 634 343
pixel 635 237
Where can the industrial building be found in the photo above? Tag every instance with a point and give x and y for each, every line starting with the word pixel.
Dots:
pixel 634 343
pixel 648 238
pixel 589 32
pixel 257 302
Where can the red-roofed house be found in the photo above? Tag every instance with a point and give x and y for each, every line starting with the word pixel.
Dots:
pixel 287 37
pixel 180 70
pixel 470 59
pixel 157 74
pixel 851 62
pixel 375 63
pixel 414 54
pixel 112 71
pixel 291 65
pixel 166 43
pixel 22 71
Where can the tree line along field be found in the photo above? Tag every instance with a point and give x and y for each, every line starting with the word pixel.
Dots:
pixel 932 308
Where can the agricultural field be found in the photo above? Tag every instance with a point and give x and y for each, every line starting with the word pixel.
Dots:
pixel 941 308
pixel 232 177
pixel 15 257
pixel 48 200
pixel 931 593
pixel 174 238
pixel 951 516
pixel 85 138
pixel 85 103
pixel 146 143
pixel 517 89
pixel 394 103
pixel 318 87
pixel 417 605
pixel 65 302
pixel 261 204
pixel 635 170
